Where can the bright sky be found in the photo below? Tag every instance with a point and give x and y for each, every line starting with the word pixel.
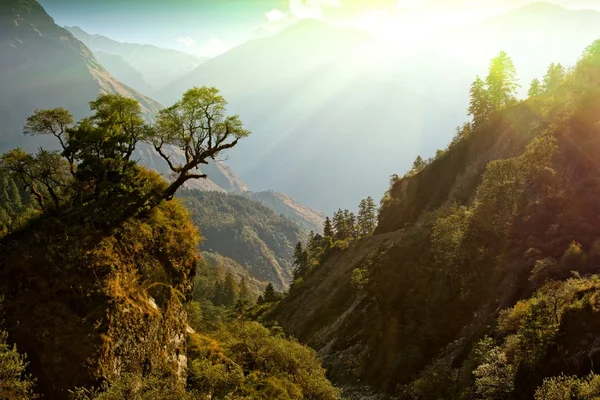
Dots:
pixel 211 27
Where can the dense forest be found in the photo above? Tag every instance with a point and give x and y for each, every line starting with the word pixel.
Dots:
pixel 247 232
pixel 103 290
pixel 480 281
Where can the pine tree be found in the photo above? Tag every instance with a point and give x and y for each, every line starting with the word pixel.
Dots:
pixel 371 216
pixel 270 295
pixel 340 226
pixel 479 107
pixel 351 224
pixel 501 82
pixel 553 78
pixel 535 89
pixel 418 164
pixel 362 218
pixel 328 228
pixel 300 261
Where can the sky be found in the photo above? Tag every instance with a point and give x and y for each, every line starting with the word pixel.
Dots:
pixel 211 27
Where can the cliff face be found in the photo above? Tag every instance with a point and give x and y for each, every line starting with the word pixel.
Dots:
pixel 100 304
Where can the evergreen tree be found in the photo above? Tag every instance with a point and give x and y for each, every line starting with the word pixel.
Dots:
pixel 328 228
pixel 229 290
pixel 340 226
pixel 362 218
pixel 479 107
pixel 351 224
pixel 270 295
pixel 370 217
pixel 300 261
pixel 535 89
pixel 315 244
pixel 501 82
pixel 418 164
pixel 553 78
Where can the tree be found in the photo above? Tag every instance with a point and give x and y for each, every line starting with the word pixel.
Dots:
pixel 43 175
pixel 418 164
pixel 270 295
pixel 501 82
pixel 300 261
pixel 553 78
pixel 197 126
pixel 535 89
pixel 14 382
pixel 229 290
pixel 350 224
pixel 328 228
pixel 55 122
pixel 367 217
pixel 340 226
pixel 479 106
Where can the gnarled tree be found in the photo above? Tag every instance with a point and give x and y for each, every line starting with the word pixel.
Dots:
pixel 198 127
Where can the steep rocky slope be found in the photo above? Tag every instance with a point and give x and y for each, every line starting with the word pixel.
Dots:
pixel 500 220
pixel 43 66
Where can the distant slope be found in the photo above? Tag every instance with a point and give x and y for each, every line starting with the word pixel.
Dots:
pixel 306 217
pixel 43 66
pixel 322 99
pixel 123 71
pixel 247 232
pixel 158 66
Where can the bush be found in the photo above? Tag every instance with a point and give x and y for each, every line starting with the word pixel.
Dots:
pixel 14 382
pixel 569 388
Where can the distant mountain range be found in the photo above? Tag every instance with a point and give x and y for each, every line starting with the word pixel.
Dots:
pixel 158 66
pixel 43 66
pixel 333 112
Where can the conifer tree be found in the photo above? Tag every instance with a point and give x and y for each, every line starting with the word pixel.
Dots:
pixel 535 89
pixel 270 295
pixel 340 226
pixel 300 261
pixel 479 107
pixel 229 290
pixel 501 82
pixel 553 78
pixel 328 228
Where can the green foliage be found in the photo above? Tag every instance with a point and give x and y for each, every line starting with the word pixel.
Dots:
pixel 535 88
pixel 244 360
pixel 501 82
pixel 15 383
pixel 137 387
pixel 574 258
pixel 494 376
pixel 359 278
pixel 569 388
pixel 247 232
pixel 437 381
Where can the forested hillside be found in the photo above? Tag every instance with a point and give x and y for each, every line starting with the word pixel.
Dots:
pixel 247 232
pixel 480 280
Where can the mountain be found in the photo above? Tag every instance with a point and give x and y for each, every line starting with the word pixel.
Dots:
pixel 307 218
pixel 123 71
pixel 482 278
pixel 43 66
pixel 158 66
pixel 332 99
pixel 247 232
